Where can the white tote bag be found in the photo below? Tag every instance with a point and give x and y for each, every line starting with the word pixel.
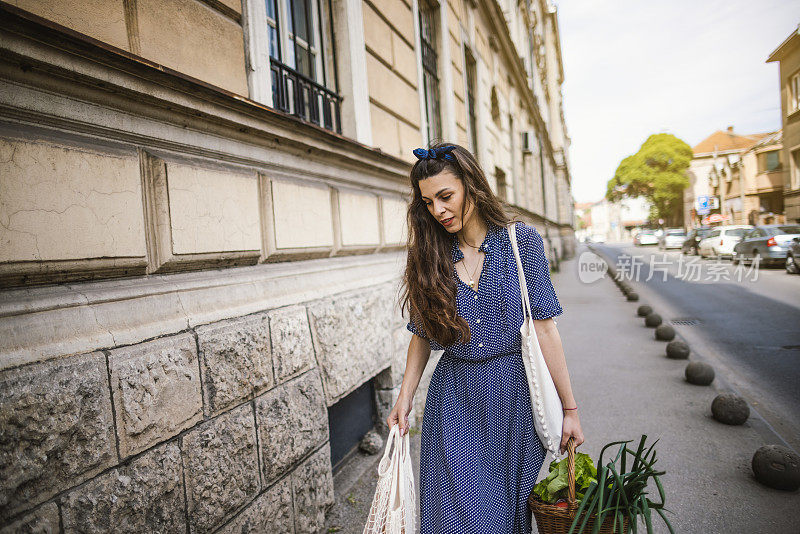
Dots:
pixel 548 413
pixel 394 507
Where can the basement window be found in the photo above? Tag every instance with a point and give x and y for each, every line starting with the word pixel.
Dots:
pixel 348 420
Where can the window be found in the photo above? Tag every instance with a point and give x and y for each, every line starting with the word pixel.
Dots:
pixel 272 29
pixel 302 73
pixel 795 177
pixel 495 106
pixel 502 185
pixel 430 71
pixel 769 161
pixel 471 81
pixel 794 93
pixel 736 232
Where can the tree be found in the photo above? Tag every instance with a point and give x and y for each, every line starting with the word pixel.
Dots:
pixel 658 173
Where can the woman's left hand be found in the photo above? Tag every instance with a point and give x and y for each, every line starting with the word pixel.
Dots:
pixel 571 428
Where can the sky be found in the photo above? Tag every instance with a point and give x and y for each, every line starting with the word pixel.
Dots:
pixel 633 68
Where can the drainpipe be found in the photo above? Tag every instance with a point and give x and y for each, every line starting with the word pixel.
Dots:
pixel 544 197
pixel 741 191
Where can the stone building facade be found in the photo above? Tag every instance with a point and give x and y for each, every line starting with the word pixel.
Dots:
pixel 202 229
pixel 788 57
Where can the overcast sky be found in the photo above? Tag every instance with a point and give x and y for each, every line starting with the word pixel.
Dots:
pixel 633 68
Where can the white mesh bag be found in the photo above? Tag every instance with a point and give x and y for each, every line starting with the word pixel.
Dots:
pixel 394 507
pixel 548 412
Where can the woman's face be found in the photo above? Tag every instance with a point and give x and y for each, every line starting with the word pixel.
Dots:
pixel 444 195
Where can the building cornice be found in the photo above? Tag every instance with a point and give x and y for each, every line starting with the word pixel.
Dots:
pixel 32 44
pixel 702 155
pixel 553 14
pixel 793 41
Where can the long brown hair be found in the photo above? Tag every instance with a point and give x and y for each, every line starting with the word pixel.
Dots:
pixel 428 289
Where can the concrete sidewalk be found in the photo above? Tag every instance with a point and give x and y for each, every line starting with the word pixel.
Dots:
pixel 625 387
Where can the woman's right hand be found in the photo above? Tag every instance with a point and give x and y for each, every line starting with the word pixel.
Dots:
pixel 399 415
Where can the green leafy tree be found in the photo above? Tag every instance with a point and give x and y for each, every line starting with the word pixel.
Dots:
pixel 658 173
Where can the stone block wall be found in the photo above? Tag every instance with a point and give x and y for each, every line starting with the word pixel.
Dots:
pixel 222 427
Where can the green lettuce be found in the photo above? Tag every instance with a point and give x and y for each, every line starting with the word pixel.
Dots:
pixel 554 486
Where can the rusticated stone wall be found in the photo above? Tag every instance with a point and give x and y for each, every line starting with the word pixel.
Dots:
pixel 221 427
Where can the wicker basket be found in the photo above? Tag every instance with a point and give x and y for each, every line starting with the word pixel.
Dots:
pixel 552 519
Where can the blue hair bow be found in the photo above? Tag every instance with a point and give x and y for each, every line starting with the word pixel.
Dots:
pixel 434 153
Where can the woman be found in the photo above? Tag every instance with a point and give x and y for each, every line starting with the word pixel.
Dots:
pixel 480 454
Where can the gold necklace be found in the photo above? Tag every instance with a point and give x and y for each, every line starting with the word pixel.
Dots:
pixel 472 276
pixel 477 265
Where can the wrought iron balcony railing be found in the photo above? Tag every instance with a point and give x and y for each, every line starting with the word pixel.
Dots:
pixel 301 96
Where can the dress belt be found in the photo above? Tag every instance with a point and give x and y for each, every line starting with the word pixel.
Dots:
pixel 451 356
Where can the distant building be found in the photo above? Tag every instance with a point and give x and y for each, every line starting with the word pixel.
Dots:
pixel 788 56
pixel 714 157
pixel 751 188
pixel 583 216
pixel 614 221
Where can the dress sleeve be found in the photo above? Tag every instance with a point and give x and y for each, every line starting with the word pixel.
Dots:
pixel 544 302
pixel 413 328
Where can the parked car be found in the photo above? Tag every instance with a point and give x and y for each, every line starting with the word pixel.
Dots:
pixel 645 237
pixel 671 238
pixel 720 241
pixel 598 238
pixel 689 245
pixel 769 241
pixel 793 256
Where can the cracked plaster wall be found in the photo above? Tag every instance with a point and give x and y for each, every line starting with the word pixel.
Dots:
pixel 212 210
pixel 61 203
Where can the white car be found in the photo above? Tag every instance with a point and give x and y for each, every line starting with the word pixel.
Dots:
pixel 598 238
pixel 646 237
pixel 671 238
pixel 720 241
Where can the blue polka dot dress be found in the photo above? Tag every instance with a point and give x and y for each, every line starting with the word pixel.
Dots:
pixel 480 455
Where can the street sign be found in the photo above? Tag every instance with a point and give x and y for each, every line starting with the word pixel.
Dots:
pixel 703 205
pixel 706 203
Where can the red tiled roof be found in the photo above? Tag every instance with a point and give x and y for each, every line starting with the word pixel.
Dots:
pixel 723 141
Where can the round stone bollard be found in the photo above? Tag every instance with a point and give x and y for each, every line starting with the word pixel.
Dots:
pixel 652 320
pixel 644 310
pixel 677 350
pixel 371 443
pixel 699 373
pixel 730 409
pixel 633 296
pixel 777 467
pixel 665 332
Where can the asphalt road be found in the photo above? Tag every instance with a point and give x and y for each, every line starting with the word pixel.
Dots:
pixel 744 320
